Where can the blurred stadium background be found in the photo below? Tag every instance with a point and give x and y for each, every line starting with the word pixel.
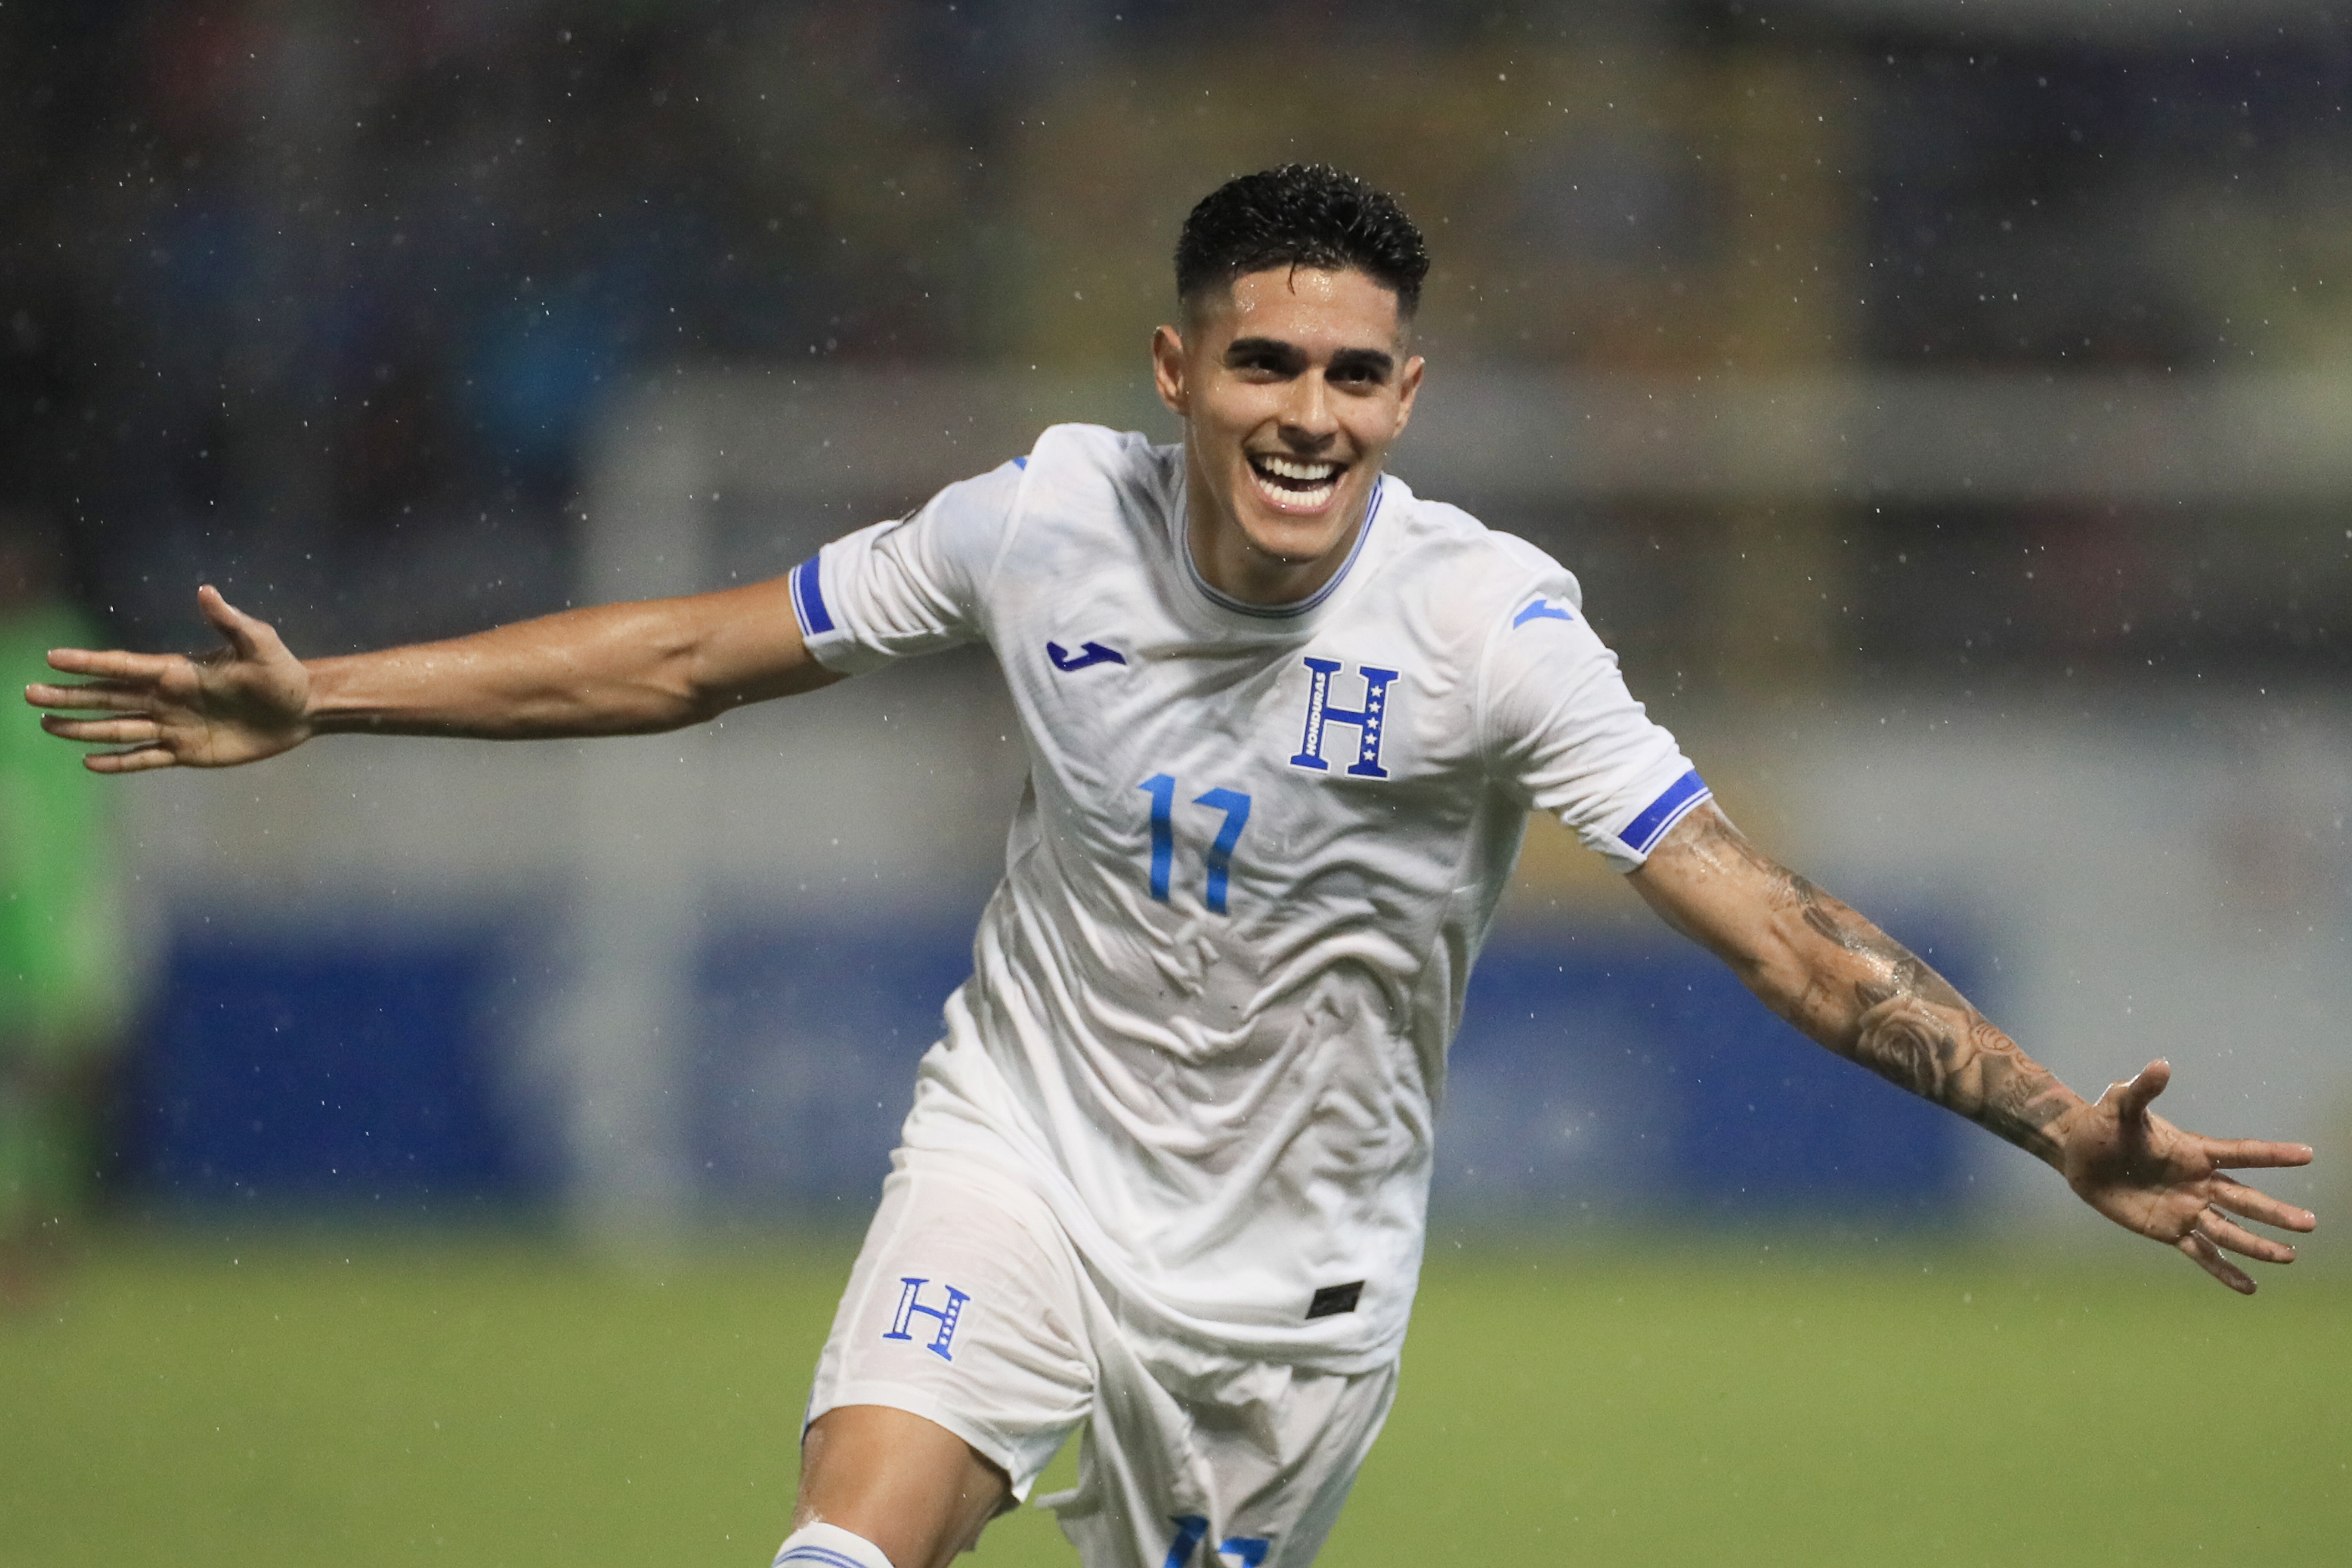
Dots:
pixel 1946 406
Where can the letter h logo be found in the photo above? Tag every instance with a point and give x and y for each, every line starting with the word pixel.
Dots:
pixel 909 1290
pixel 1368 719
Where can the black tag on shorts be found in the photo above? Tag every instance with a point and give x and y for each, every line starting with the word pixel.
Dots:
pixel 1333 1299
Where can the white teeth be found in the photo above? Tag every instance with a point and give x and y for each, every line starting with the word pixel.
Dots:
pixel 1283 496
pixel 1292 469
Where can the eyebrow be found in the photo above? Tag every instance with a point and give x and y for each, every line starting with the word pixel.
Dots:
pixel 1373 362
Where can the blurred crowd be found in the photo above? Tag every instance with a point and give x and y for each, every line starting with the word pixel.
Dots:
pixel 319 300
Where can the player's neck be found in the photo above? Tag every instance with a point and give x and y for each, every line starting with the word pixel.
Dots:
pixel 1230 562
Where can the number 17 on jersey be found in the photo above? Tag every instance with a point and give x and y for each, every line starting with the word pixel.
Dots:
pixel 1219 853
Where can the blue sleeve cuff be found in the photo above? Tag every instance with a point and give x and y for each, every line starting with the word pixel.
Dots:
pixel 808 598
pixel 1662 813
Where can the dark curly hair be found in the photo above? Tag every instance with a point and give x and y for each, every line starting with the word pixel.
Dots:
pixel 1300 215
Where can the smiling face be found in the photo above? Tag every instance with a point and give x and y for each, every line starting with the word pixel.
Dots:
pixel 1292 385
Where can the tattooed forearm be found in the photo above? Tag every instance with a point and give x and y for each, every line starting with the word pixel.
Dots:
pixel 1912 1027
pixel 1964 1063
pixel 2017 1097
pixel 1830 919
pixel 1903 1042
pixel 1847 984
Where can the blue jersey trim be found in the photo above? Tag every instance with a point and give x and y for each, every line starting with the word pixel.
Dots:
pixel 808 598
pixel 1296 606
pixel 1665 811
pixel 825 1556
pixel 1021 462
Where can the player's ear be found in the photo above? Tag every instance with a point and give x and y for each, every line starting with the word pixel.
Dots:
pixel 1408 388
pixel 1168 370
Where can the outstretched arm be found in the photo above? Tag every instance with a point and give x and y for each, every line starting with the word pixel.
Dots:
pixel 617 669
pixel 1851 986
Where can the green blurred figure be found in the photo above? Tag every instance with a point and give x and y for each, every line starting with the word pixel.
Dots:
pixel 65 979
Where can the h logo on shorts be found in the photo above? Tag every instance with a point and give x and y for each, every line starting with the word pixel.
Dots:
pixel 910 1303
pixel 1368 719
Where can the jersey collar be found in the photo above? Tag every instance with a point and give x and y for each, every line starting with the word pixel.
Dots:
pixel 1295 608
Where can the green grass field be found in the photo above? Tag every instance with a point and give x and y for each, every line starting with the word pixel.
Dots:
pixel 400 1399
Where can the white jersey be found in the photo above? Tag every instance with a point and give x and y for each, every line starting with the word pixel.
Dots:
pixel 1211 1000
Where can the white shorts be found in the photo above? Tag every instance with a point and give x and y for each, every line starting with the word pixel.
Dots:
pixel 970 1307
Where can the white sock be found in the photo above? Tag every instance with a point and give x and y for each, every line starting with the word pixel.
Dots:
pixel 828 1546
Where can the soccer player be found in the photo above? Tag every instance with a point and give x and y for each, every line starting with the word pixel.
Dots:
pixel 1165 1176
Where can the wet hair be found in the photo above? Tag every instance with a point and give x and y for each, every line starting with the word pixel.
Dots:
pixel 1300 215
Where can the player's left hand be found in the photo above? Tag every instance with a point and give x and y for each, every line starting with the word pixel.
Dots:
pixel 2150 1176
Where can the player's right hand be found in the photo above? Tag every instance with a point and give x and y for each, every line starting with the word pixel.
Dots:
pixel 247 701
